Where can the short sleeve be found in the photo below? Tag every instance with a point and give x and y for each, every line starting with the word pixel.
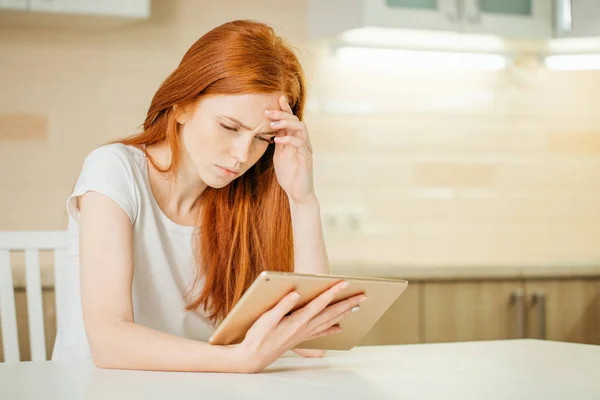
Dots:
pixel 107 170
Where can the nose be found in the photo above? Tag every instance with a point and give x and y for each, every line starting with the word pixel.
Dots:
pixel 241 149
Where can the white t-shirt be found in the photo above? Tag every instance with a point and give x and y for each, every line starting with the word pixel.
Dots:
pixel 164 266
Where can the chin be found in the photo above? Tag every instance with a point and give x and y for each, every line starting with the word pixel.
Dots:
pixel 215 182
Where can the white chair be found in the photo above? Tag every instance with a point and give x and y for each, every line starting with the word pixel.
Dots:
pixel 31 242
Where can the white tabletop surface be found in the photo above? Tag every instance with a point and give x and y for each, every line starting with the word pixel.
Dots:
pixel 517 369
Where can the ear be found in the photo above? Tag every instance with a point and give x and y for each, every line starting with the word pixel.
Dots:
pixel 182 114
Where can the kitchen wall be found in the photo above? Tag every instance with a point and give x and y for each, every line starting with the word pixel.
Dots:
pixel 462 168
pixel 412 167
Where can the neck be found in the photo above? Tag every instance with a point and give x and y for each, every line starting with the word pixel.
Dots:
pixel 176 195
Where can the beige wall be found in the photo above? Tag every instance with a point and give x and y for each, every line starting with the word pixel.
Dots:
pixel 442 167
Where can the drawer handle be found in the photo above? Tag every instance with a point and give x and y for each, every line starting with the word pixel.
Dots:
pixel 539 301
pixel 517 297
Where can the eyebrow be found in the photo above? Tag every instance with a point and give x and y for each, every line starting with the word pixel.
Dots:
pixel 272 133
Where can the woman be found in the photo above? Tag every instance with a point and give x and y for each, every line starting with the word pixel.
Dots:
pixel 169 227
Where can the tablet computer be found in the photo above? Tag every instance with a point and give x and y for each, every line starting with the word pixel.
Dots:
pixel 270 287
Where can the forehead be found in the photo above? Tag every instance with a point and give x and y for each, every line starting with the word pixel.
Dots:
pixel 241 106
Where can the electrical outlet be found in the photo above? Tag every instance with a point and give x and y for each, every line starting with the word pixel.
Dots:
pixel 343 218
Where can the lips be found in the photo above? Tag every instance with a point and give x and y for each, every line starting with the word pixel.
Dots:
pixel 230 171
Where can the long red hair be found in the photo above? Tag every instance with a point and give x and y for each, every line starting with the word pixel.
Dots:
pixel 246 226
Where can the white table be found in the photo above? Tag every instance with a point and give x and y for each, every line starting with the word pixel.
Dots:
pixel 518 369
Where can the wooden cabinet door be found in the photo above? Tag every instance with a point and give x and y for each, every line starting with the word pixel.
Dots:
pixel 401 323
pixel 569 310
pixel 473 310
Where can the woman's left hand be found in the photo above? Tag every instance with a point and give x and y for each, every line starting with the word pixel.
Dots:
pixel 293 154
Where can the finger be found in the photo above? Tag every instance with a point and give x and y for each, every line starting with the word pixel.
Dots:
pixel 278 114
pixel 287 110
pixel 326 332
pixel 318 304
pixel 335 320
pixel 270 319
pixel 291 140
pixel 297 143
pixel 334 311
pixel 291 124
pixel 285 106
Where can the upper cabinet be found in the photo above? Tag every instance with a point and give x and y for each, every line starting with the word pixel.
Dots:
pixel 509 18
pixel 577 18
pixel 422 14
pixel 529 19
pixel 333 17
pixel 115 8
pixel 13 4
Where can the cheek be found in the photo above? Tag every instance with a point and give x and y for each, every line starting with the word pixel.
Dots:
pixel 202 141
pixel 258 151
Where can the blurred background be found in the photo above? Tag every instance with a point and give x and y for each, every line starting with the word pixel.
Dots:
pixel 457 143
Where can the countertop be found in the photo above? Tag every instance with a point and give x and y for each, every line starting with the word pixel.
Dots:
pixel 445 272
pixel 517 369
pixel 411 273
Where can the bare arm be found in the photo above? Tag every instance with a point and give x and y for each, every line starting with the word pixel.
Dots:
pixel 310 255
pixel 106 258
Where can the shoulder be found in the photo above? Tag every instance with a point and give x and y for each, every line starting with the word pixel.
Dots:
pixel 115 153
pixel 115 171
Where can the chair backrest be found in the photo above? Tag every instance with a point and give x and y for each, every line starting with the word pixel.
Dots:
pixel 31 242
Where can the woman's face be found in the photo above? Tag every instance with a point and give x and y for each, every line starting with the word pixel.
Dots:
pixel 225 135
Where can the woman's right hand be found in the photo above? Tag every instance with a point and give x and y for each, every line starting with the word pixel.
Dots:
pixel 276 332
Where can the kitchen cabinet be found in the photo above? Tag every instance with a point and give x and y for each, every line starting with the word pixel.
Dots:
pixel 577 18
pixel 331 18
pixel 566 310
pixel 472 310
pixel 13 4
pixel 509 18
pixel 115 8
pixel 401 324
pixel 406 14
pixel 556 309
pixel 530 19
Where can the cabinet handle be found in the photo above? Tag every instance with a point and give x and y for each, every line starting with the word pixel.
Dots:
pixel 539 301
pixel 452 11
pixel 564 13
pixel 472 11
pixel 517 298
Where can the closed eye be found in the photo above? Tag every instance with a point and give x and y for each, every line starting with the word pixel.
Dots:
pixel 229 128
pixel 270 139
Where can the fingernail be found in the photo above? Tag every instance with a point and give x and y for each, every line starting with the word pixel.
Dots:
pixel 363 299
pixel 268 112
pixel 274 123
pixel 345 285
pixel 295 296
pixel 285 98
pixel 355 309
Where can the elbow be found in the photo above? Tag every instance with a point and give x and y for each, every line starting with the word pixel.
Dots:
pixel 104 358
pixel 104 351
pixel 106 344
